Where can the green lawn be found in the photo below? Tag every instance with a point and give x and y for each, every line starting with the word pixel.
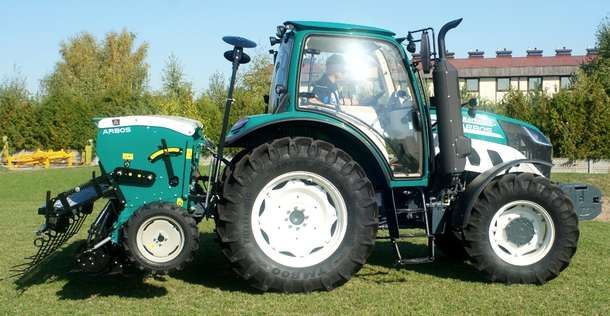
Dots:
pixel 209 286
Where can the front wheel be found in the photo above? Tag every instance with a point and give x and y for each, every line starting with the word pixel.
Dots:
pixel 297 215
pixel 522 229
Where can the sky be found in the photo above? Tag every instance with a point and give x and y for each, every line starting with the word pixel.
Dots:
pixel 31 31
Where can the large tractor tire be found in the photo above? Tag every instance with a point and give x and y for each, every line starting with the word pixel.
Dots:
pixel 522 229
pixel 160 237
pixel 297 215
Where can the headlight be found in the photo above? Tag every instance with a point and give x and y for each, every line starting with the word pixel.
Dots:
pixel 530 142
pixel 537 136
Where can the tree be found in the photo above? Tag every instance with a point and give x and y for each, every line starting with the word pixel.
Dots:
pixel 18 113
pixel 252 85
pixel 532 107
pixel 174 83
pixel 590 97
pixel 92 80
pixel 599 67
pixel 584 120
pixel 176 95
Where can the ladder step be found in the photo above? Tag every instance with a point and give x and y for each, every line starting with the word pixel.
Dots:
pixel 406 236
pixel 414 235
pixel 415 260
pixel 409 210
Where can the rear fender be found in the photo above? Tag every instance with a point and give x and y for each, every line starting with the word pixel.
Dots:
pixel 338 133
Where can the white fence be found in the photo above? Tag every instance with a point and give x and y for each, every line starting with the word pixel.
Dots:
pixel 561 165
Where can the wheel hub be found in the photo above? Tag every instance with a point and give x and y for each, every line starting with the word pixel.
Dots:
pixel 160 239
pixel 520 231
pixel 299 219
pixel 297 216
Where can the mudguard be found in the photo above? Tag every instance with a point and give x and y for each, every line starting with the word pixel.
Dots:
pixel 461 214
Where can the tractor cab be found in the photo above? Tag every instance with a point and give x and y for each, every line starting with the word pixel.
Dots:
pixel 349 75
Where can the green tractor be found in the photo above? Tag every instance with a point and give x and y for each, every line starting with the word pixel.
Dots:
pixel 350 144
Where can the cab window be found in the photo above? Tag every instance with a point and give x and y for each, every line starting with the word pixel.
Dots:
pixel 365 82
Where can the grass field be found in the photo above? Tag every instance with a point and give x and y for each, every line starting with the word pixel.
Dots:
pixel 209 285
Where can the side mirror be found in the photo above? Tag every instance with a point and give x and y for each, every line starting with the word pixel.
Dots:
pixel 280 89
pixel 472 104
pixel 424 51
pixel 411 44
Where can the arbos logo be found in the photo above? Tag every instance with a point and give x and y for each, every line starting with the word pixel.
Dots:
pixel 116 130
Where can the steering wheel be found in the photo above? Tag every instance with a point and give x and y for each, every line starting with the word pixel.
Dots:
pixel 373 100
pixel 394 105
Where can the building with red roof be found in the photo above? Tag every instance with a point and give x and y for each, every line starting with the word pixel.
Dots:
pixel 490 78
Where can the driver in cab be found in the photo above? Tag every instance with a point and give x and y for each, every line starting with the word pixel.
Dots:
pixel 325 90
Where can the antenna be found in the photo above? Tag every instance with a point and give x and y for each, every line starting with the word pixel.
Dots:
pixel 236 56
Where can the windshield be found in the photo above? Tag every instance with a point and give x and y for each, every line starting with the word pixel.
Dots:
pixel 364 81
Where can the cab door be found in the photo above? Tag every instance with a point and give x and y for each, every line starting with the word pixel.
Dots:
pixel 364 82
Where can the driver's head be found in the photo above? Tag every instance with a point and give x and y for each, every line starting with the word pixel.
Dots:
pixel 335 65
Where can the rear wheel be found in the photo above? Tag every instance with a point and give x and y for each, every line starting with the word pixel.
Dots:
pixel 297 215
pixel 523 229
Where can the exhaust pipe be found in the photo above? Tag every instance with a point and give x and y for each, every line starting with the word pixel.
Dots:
pixel 454 147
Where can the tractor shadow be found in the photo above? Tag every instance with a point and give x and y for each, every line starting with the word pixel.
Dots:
pixel 210 269
pixel 79 286
pixel 383 257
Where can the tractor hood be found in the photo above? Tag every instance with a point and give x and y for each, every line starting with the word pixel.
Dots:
pixel 508 137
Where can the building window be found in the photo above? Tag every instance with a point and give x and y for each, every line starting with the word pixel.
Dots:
pixel 534 83
pixel 565 82
pixel 502 84
pixel 472 84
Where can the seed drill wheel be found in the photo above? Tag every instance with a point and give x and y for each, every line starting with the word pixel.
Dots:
pixel 297 215
pixel 160 237
pixel 523 229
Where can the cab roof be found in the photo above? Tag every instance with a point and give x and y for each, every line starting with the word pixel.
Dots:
pixel 317 25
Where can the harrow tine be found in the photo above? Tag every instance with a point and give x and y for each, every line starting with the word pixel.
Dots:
pixel 47 244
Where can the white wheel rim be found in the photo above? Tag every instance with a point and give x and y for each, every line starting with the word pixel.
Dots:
pixel 521 233
pixel 160 239
pixel 299 219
